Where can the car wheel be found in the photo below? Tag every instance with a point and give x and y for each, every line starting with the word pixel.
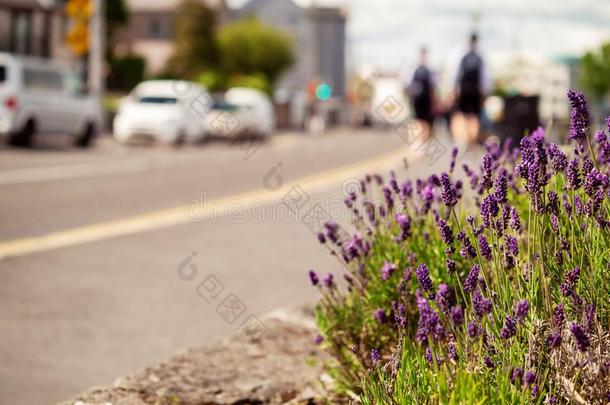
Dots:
pixel 25 137
pixel 85 139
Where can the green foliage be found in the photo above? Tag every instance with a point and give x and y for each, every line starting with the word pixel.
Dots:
pixel 196 49
pixel 215 80
pixel 595 76
pixel 125 72
pixel 249 48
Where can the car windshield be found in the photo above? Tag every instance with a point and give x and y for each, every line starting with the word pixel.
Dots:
pixel 157 100
pixel 2 73
pixel 224 106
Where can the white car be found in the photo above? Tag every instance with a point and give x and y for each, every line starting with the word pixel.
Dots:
pixel 167 111
pixel 244 112
pixel 39 97
pixel 389 105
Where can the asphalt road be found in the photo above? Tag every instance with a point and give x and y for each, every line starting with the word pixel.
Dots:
pixel 94 243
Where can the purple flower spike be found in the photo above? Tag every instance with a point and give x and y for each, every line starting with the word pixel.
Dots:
pixel 448 191
pixel 423 277
pixel 473 330
pixel 509 329
pixel 482 306
pixel 387 270
pixel 380 316
pixel 554 340
pixel 318 340
pixel 428 355
pixel 457 315
pixel 328 280
pixel 446 232
pixel 580 337
pixel 450 264
pixel 579 122
pixel 313 278
pixel 488 362
pixel 521 310
pixel 573 175
pixel 516 375
pixel 375 356
pixel 530 377
pixel 472 279
pixel 484 247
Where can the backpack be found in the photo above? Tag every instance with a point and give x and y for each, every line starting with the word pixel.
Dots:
pixel 469 78
pixel 421 84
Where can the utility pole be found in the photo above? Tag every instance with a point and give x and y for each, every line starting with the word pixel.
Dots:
pixel 97 30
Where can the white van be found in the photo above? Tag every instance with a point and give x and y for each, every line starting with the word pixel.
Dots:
pixel 38 96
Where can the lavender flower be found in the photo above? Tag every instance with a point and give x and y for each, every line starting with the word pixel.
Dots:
pixel 423 277
pixel 509 329
pixel 318 340
pixel 446 232
pixel 559 160
pixel 580 337
pixel 573 175
pixel 404 222
pixel 530 377
pixel 486 173
pixel 467 250
pixel 501 192
pixel 481 305
pixel 521 309
pixel 512 246
pixel 452 352
pixel 454 153
pixel 554 340
pixel 428 355
pixel 450 265
pixel 473 330
pixel 489 209
pixel 448 192
pixel 472 279
pixel 313 278
pixel 484 247
pixel 515 221
pixel 443 297
pixel 400 315
pixel 380 316
pixel 457 315
pixel 428 324
pixel 516 375
pixel 559 316
pixel 488 362
pixel 579 122
pixel 387 270
pixel 569 282
pixel 321 238
pixel 375 356
pixel 328 280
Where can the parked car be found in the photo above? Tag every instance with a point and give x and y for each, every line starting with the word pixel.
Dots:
pixel 389 105
pixel 242 112
pixel 41 97
pixel 167 111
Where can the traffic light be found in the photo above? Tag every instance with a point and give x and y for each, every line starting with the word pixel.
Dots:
pixel 79 12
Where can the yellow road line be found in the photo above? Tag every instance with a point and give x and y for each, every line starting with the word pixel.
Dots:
pixel 178 215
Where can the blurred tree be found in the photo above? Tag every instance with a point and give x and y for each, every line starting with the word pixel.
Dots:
pixel 117 16
pixel 249 48
pixel 595 77
pixel 195 44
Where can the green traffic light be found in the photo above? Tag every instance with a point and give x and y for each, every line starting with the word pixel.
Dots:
pixel 324 91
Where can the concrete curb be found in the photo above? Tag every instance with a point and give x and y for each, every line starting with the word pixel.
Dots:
pixel 244 369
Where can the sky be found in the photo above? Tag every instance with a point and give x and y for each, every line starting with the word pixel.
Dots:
pixel 386 34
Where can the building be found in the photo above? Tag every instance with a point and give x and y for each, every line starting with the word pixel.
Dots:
pixel 150 32
pixel 33 27
pixel 319 36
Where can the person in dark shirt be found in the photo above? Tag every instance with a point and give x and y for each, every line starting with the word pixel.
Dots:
pixel 421 93
pixel 470 84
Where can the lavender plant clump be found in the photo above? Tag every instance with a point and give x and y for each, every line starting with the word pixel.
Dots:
pixel 504 292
